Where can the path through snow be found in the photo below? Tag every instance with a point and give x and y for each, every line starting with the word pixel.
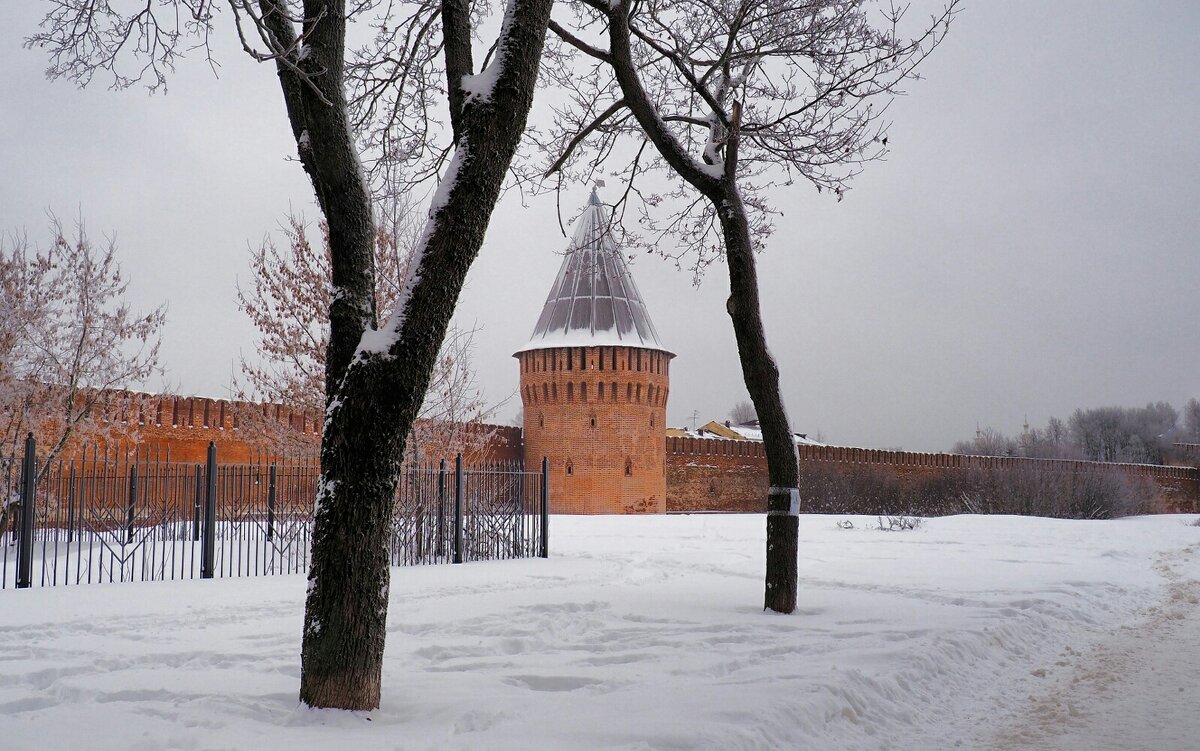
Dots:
pixel 1135 690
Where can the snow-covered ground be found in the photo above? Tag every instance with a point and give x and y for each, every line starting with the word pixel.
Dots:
pixel 647 633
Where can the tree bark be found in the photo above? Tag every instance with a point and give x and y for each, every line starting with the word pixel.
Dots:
pixel 762 382
pixel 373 395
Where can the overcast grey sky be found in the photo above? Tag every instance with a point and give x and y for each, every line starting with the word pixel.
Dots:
pixel 1028 247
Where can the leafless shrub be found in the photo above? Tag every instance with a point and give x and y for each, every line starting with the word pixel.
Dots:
pixel 898 523
pixel 885 492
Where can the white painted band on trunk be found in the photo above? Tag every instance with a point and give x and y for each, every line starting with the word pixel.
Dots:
pixel 793 502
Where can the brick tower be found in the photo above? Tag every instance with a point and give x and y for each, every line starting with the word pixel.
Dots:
pixel 594 383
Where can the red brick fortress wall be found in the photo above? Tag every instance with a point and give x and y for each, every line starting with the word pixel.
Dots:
pixel 731 476
pixel 179 429
pixel 598 414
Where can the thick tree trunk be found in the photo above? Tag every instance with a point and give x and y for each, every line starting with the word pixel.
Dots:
pixel 762 382
pixel 374 392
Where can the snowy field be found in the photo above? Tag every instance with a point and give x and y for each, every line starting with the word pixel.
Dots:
pixel 646 633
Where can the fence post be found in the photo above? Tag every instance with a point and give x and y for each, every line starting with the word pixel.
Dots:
pixel 441 512
pixel 130 511
pixel 544 552
pixel 197 509
pixel 28 494
pixel 458 509
pixel 271 504
pixel 208 548
pixel 71 505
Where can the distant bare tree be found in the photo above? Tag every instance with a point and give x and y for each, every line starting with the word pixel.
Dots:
pixel 1106 434
pixel 743 413
pixel 1124 434
pixel 987 442
pixel 1191 420
pixel 72 343
pixel 735 99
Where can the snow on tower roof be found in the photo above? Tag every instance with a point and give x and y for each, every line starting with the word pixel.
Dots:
pixel 594 301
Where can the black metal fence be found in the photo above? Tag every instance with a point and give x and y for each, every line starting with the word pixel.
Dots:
pixel 107 518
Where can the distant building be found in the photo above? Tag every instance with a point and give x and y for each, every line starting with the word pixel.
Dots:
pixel 746 431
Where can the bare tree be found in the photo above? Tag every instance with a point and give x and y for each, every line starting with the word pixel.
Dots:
pixel 72 343
pixel 743 413
pixel 288 301
pixel 1124 434
pixel 987 442
pixel 1191 420
pixel 735 99
pixel 376 376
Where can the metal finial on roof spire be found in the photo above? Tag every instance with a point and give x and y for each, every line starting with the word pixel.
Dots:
pixel 594 301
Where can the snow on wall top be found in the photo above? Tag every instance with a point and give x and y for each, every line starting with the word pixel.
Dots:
pixel 594 301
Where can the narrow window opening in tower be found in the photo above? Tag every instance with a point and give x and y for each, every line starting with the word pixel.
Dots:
pixel 629 468
pixel 612 392
pixel 582 358
pixel 629 392
pixel 600 358
pixel 639 393
pixel 629 358
pixel 593 421
pixel 639 360
pixel 652 421
pixel 583 392
pixel 541 420
pixel 570 360
pixel 554 391
pixel 570 392
pixel 570 468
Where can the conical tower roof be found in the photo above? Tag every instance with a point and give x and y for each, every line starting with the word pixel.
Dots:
pixel 594 301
